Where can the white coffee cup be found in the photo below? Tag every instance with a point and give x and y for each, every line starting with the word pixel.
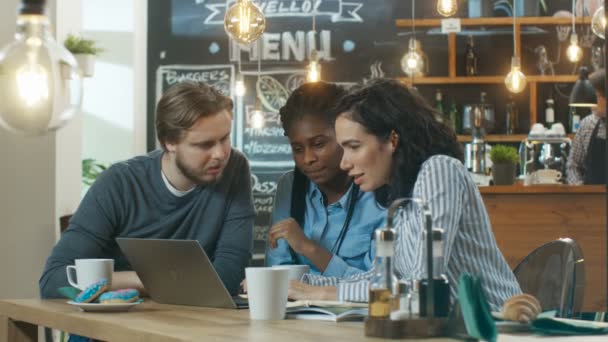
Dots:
pixel 90 271
pixel 295 271
pixel 548 176
pixel 267 292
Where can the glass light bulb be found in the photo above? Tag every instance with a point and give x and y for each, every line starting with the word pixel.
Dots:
pixel 314 72
pixel 41 87
pixel 257 119
pixel 515 80
pixel 314 68
pixel 447 8
pixel 239 87
pixel 598 22
pixel 574 52
pixel 244 21
pixel 412 62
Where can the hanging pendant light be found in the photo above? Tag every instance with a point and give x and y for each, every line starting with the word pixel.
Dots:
pixel 598 22
pixel 40 84
pixel 239 86
pixel 574 52
pixel 412 63
pixel 257 118
pixel 583 93
pixel 244 21
pixel 314 68
pixel 447 8
pixel 515 80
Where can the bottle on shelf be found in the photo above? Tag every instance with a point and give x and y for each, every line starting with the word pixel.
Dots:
pixel 454 117
pixel 383 285
pixel 488 118
pixel 470 58
pixel 512 116
pixel 439 106
pixel 549 113
pixel 441 285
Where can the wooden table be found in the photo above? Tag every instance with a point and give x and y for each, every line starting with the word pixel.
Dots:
pixel 151 322
pixel 525 217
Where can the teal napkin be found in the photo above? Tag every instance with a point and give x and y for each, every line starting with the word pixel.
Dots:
pixel 475 309
pixel 560 326
pixel 69 292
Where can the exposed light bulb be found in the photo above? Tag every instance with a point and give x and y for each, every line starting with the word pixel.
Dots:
pixel 314 68
pixel 257 119
pixel 41 87
pixel 244 21
pixel 32 84
pixel 239 86
pixel 574 52
pixel 447 8
pixel 412 62
pixel 515 80
pixel 598 22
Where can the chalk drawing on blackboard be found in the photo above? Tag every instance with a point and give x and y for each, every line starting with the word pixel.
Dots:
pixel 375 72
pixel 348 46
pixel 219 76
pixel 295 81
pixel 266 148
pixel 271 93
pixel 339 11
pixel 214 48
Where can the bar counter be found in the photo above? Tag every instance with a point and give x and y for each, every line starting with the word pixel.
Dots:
pixel 525 217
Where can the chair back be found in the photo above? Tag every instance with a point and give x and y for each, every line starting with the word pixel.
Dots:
pixel 555 274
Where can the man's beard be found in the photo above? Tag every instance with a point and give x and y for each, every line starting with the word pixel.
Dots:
pixel 191 175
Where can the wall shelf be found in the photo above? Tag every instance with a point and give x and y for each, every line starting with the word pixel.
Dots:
pixel 501 21
pixel 500 138
pixel 486 79
pixel 453 78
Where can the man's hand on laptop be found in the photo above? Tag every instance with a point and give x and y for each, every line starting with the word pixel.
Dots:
pixel 244 286
pixel 128 280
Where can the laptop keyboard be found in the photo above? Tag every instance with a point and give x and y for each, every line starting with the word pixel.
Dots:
pixel 241 303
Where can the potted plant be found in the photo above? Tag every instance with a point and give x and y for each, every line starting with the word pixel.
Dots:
pixel 504 162
pixel 85 51
pixel 91 169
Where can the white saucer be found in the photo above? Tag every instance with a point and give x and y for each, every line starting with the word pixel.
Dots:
pixel 96 307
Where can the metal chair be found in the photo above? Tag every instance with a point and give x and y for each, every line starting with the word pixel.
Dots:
pixel 555 274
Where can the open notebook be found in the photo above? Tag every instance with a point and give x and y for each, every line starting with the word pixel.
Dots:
pixel 326 310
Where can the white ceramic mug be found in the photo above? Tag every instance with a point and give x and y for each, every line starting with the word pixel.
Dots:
pixel 548 176
pixel 295 271
pixel 267 292
pixel 90 271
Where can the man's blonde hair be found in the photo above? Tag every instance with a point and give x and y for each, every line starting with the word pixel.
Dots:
pixel 182 105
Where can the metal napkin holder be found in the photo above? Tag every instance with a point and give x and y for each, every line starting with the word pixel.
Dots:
pixel 415 326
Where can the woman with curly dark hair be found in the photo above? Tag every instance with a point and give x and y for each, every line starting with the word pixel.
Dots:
pixel 393 145
pixel 320 218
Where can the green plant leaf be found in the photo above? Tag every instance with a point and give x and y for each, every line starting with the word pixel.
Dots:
pixel 500 154
pixel 81 45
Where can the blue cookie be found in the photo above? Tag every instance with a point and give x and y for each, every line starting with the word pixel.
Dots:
pixel 92 291
pixel 119 296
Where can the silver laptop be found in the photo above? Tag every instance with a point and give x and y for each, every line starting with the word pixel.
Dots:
pixel 178 272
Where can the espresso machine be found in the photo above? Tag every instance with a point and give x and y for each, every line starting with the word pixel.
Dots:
pixel 537 153
pixel 476 151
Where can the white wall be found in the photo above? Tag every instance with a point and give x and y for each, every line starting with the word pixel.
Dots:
pixel 114 105
pixel 39 178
